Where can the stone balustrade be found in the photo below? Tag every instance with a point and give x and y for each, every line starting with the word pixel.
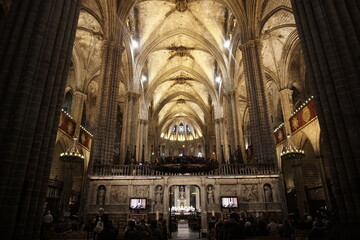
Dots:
pixel 224 169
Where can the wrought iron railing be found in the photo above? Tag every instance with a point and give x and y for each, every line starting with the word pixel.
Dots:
pixel 224 169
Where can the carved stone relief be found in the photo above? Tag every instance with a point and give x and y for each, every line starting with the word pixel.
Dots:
pixel 228 190
pixel 250 193
pixel 141 191
pixel 119 194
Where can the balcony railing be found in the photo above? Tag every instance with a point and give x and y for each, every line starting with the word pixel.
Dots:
pixel 224 169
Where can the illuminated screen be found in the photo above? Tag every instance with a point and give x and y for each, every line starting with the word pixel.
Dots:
pixel 229 202
pixel 138 203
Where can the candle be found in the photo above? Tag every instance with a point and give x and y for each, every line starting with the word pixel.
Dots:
pixel 157 215
pixel 212 213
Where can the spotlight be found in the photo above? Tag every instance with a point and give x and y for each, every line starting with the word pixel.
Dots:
pixel 227 44
pixel 134 44
pixel 218 79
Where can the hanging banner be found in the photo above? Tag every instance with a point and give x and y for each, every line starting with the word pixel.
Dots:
pixel 303 116
pixel 85 138
pixel 279 135
pixel 67 125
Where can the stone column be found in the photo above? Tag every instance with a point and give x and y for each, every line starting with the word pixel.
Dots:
pixel 300 187
pixel 77 106
pixel 287 107
pixel 203 199
pixel 262 139
pixel 141 138
pixel 218 140
pixel 166 201
pixel 130 125
pixel 145 142
pixel 230 122
pixel 328 32
pixel 35 51
pixel 222 141
pixel 104 136
pixel 68 183
pixel 236 122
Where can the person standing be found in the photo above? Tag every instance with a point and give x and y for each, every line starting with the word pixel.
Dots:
pixel 47 223
pixel 104 218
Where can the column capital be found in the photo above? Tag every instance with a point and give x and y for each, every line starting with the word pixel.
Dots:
pixel 250 44
pixel 231 92
pixel 114 45
pixel 79 93
pixel 143 121
pixel 133 94
pixel 219 120
pixel 286 91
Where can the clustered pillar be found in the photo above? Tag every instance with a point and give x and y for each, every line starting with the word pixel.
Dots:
pixel 262 139
pixel 35 51
pixel 328 31
pixel 105 133
pixel 128 139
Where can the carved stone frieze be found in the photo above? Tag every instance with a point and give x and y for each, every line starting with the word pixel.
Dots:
pixel 228 190
pixel 119 194
pixel 250 193
pixel 141 191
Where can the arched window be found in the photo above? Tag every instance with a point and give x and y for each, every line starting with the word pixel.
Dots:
pixel 83 117
pixel 67 102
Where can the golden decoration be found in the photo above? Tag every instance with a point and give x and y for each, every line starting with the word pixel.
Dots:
pixel 306 114
pixel 295 123
pixel 83 138
pixel 69 128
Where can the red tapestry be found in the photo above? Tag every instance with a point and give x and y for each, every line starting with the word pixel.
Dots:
pixel 280 135
pixel 304 116
pixel 67 125
pixel 85 138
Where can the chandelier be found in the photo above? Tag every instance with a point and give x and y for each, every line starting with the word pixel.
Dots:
pixel 290 151
pixel 72 155
pixel 184 164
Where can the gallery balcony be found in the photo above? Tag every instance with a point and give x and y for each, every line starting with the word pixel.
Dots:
pixel 222 170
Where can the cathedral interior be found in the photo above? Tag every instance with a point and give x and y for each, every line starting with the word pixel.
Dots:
pixel 179 108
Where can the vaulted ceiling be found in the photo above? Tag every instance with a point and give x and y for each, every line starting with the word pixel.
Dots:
pixel 176 55
pixel 181 57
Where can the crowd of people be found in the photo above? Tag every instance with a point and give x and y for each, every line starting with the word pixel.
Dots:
pixel 236 227
pixel 154 230
pixel 316 226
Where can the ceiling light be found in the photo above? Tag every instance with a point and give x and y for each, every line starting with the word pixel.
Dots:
pixel 227 44
pixel 134 44
pixel 218 79
pixel 143 78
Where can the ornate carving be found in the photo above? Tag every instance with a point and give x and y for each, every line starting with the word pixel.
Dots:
pixel 229 189
pixel 250 193
pixel 141 191
pixel 181 5
pixel 180 51
pixel 181 101
pixel 119 194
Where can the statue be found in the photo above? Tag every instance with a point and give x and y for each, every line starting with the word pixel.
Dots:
pixel 210 194
pixel 268 193
pixel 101 195
pixel 159 194
pixel 182 192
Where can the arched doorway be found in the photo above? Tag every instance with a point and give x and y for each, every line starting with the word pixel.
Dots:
pixel 185 211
